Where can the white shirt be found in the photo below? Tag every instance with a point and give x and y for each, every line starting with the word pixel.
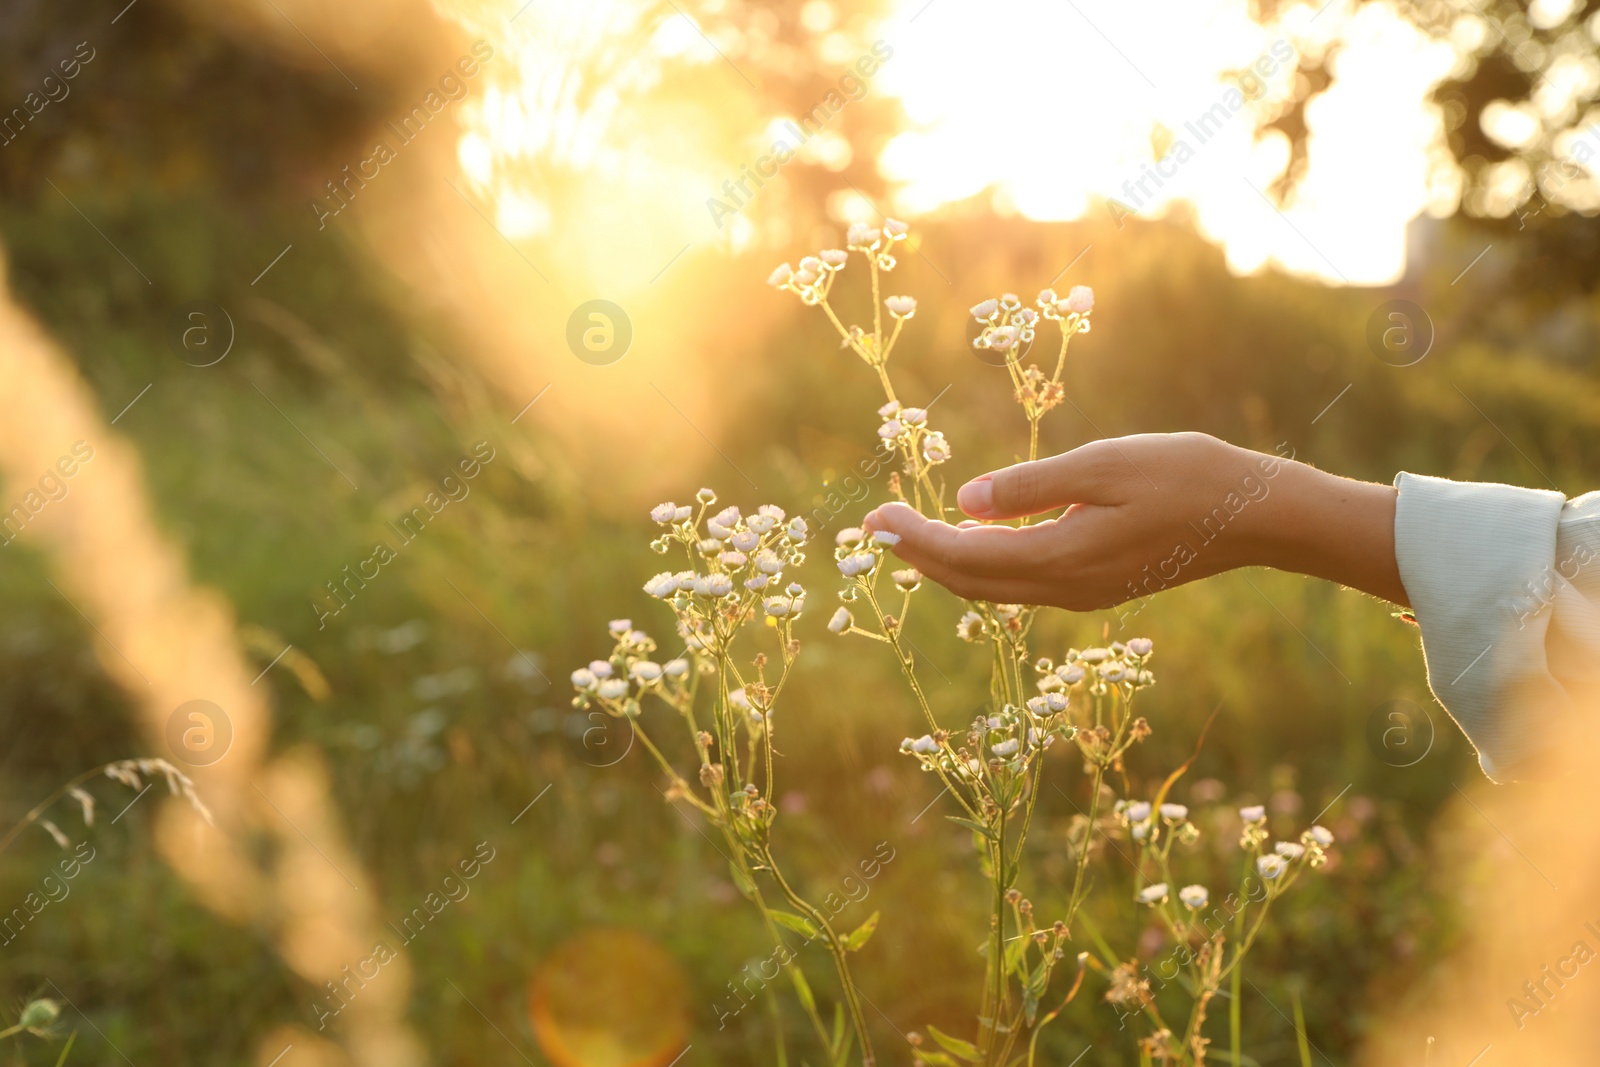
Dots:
pixel 1505 586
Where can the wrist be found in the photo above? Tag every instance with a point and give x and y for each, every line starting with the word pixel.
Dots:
pixel 1334 528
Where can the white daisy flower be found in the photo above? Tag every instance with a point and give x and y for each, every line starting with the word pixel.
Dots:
pixel 1174 812
pixel 584 679
pixel 986 309
pixel 1321 835
pixel 676 668
pixel 841 621
pixel 1253 813
pixel 1153 894
pixel 1005 748
pixel 780 275
pixel 645 671
pixel 886 537
pixel 664 513
pixel 662 585
pixel 1080 300
pixel 857 563
pixel 1270 866
pixel 901 307
pixel 600 668
pixel 613 688
pixel 1140 646
pixel 1289 850
pixel 1194 896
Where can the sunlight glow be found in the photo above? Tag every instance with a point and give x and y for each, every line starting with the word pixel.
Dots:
pixel 1088 101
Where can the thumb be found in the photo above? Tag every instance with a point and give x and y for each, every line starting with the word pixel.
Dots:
pixel 1088 474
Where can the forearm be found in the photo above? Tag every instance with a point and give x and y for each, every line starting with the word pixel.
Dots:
pixel 1330 527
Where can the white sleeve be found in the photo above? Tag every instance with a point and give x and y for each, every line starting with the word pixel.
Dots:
pixel 1505 586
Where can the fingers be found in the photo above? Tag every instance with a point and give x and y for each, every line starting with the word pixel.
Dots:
pixel 972 549
pixel 1089 474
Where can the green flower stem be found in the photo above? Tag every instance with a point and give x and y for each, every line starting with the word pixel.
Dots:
pixel 836 949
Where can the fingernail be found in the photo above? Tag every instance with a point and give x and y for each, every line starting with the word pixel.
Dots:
pixel 977 496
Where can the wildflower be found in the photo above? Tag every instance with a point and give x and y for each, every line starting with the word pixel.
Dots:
pixel 985 310
pixel 733 560
pixel 706 496
pixel 921 746
pixel 935 449
pixel 797 531
pixel 584 680
pixel 901 307
pixel 1001 338
pixel 894 227
pixel 645 672
pixel 1194 896
pixel 886 537
pixel 970 627
pixel 850 535
pixel 1005 748
pixel 1126 987
pixel 620 626
pixel 1056 701
pixel 861 235
pixel 1070 674
pixel 890 430
pixel 783 607
pixel 780 275
pixel 675 668
pixel 662 585
pixel 889 410
pixel 1153 894
pixel 914 416
pixel 768 561
pixel 1253 813
pixel 1289 850
pixel 857 563
pixel 1174 812
pixel 770 511
pixel 744 540
pixel 1047 299
pixel 739 700
pixel 1080 300
pixel 717 585
pixel 1270 866
pixel 1038 706
pixel 1094 655
pixel 600 668
pixel 1138 811
pixel 908 580
pixel 664 513
pixel 833 258
pixel 841 621
pixel 1320 835
pixel 613 688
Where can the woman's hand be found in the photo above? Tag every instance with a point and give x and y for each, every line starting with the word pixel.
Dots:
pixel 1147 513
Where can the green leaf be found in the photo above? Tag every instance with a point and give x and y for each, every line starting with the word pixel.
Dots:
pixel 954 1045
pixel 798 923
pixel 857 939
pixel 937 1059
pixel 802 989
pixel 975 827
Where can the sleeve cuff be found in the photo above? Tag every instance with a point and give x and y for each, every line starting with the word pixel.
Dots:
pixel 1473 558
